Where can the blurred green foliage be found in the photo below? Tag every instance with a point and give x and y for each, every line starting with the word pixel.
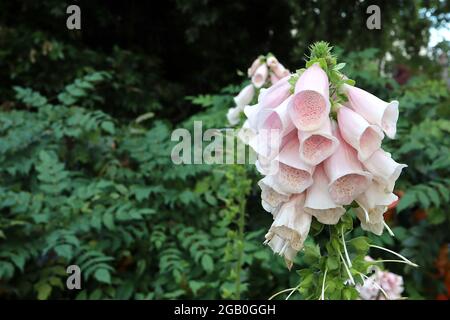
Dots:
pixel 85 122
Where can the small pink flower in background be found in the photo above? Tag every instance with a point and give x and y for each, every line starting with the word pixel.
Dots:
pixel 263 73
pixel 255 65
pixel 382 285
pixel 260 76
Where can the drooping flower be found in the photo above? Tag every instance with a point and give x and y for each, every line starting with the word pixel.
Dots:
pixel 255 65
pixel 373 109
pixel 310 106
pixel 384 169
pixel 347 177
pixel 317 145
pixel 271 199
pixel 260 76
pixel 358 133
pixel 318 200
pixel 373 203
pixel 289 229
pixel 245 96
pixel 264 72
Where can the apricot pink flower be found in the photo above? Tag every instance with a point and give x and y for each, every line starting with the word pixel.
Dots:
pixel 310 106
pixel 384 169
pixel 318 200
pixel 373 109
pixel 317 145
pixel 278 118
pixel 357 132
pixel 346 174
pixel 255 65
pixel 373 203
pixel 270 198
pixel 289 229
pixel 245 96
pixel 260 76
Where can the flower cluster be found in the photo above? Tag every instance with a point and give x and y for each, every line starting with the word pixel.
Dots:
pixel 381 285
pixel 264 71
pixel 319 153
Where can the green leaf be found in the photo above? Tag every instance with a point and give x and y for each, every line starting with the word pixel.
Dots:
pixel 44 290
pixel 408 200
pixel 339 66
pixel 361 244
pixel 108 126
pixel 207 263
pixel 103 275
pixel 108 221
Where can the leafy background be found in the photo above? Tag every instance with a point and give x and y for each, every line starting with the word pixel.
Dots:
pixel 85 124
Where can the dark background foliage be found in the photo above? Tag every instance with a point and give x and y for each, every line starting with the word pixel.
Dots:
pixel 83 182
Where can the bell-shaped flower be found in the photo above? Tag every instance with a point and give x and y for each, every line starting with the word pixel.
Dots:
pixel 251 112
pixel 233 115
pixel 310 106
pixel 373 203
pixel 384 169
pixel 318 201
pixel 289 230
pixel 270 198
pixel 271 98
pixel 255 65
pixel 277 118
pixel 245 96
pixel 246 133
pixel 273 78
pixel 373 109
pixel 317 145
pixel 345 173
pixel 358 133
pixel 260 76
pixel 294 175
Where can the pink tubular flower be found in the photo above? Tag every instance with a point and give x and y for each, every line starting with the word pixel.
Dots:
pixel 373 109
pixel 345 172
pixel 289 229
pixel 317 145
pixel 271 98
pixel 273 78
pixel 373 203
pixel 260 76
pixel 358 133
pixel 384 169
pixel 280 71
pixel 272 62
pixel 245 96
pixel 255 65
pixel 278 118
pixel 292 174
pixel 392 284
pixel 251 112
pixel 318 201
pixel 311 105
pixel 271 199
pixel 233 115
